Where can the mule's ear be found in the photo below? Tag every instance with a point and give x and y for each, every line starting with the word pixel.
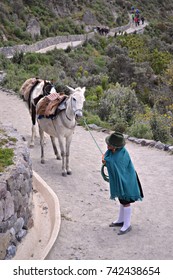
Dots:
pixel 83 89
pixel 71 89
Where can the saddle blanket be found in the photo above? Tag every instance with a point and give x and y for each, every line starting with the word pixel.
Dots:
pixel 53 96
pixel 26 87
pixel 47 105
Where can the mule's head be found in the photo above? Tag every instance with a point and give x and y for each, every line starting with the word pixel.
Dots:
pixel 77 98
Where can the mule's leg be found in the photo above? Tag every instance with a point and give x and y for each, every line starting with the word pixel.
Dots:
pixel 55 147
pixel 33 117
pixel 63 154
pixel 33 136
pixel 41 132
pixel 68 142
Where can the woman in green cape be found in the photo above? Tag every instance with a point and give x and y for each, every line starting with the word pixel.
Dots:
pixel 123 179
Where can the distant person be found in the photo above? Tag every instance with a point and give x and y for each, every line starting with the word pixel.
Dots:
pixel 137 12
pixel 123 180
pixel 142 19
pixel 136 21
pixel 133 17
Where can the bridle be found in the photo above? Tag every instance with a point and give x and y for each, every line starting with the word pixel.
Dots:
pixel 68 118
pixel 77 110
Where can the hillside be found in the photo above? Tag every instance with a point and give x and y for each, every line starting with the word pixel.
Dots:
pixel 28 20
pixel 128 78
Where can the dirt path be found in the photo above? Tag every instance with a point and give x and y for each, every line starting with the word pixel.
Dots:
pixel 84 197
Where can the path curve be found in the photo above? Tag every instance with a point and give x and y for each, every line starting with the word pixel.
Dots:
pixel 73 44
pixel 86 209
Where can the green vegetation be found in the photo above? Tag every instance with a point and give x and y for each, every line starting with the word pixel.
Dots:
pixel 54 18
pixel 128 78
pixel 6 158
pixel 6 154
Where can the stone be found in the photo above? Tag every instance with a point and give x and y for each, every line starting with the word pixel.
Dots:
pixel 152 143
pixel 18 224
pixel 170 148
pixel 159 145
pixel 1 210
pixel 15 194
pixel 11 251
pixel 4 242
pixel 33 27
pixel 21 234
pixel 11 221
pixel 8 206
pixel 95 127
pixel 18 199
pixel 3 190
pixel 132 139
pixel 89 18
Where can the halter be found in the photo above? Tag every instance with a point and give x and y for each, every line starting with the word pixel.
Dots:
pixel 80 110
pixel 68 118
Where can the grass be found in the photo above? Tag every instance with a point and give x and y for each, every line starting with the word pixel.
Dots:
pixel 6 158
pixel 6 154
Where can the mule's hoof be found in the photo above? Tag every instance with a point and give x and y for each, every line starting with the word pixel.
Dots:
pixel 42 161
pixel 31 145
pixel 58 158
pixel 69 172
pixel 64 174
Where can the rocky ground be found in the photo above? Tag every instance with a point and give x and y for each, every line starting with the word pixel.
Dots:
pixel 86 209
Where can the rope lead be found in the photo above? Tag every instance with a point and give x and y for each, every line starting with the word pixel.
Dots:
pixel 105 176
pixel 92 136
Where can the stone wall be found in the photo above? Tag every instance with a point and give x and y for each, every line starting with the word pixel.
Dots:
pixel 15 193
pixel 10 51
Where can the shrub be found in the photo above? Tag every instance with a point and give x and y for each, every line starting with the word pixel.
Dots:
pixel 18 57
pixel 99 92
pixel 117 122
pixel 119 101
pixel 160 60
pixel 159 128
pixel 90 118
pixel 104 82
pixel 140 130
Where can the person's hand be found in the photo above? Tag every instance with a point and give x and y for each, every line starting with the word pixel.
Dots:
pixel 103 160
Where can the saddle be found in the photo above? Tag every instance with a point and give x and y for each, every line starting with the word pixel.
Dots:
pixel 27 86
pixel 48 105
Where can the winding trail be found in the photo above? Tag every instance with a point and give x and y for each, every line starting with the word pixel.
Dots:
pixel 74 44
pixel 86 209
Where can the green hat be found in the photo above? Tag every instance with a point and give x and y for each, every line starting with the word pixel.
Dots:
pixel 115 140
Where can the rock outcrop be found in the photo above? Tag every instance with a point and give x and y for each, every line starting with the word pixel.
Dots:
pixel 33 28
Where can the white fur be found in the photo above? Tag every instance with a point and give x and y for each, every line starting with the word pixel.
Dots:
pixel 63 127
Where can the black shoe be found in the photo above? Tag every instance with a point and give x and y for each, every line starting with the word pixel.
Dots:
pixel 124 231
pixel 116 224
